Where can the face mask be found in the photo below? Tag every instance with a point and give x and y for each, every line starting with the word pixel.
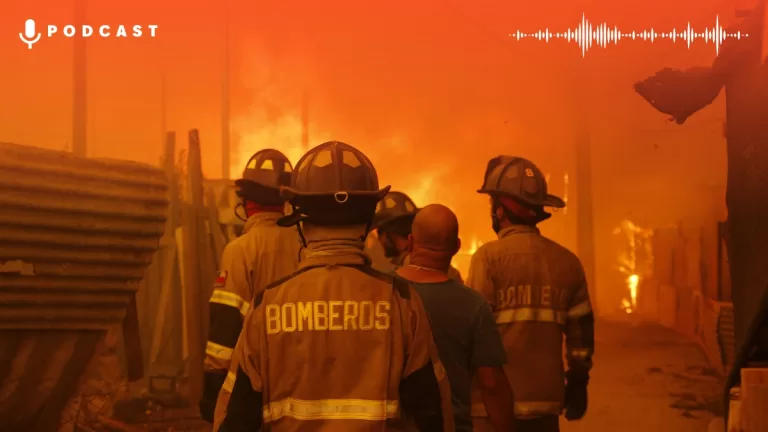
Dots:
pixel 390 250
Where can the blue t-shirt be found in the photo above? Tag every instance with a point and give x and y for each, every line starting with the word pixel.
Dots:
pixel 466 337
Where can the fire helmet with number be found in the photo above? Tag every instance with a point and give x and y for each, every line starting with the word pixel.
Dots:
pixel 396 208
pixel 264 174
pixel 334 184
pixel 519 179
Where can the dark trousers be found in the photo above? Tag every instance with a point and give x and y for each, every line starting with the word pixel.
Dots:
pixel 550 423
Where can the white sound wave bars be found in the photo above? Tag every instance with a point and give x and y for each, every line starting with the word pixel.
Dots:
pixel 587 35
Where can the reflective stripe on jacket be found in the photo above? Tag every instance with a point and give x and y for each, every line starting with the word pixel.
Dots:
pixel 264 253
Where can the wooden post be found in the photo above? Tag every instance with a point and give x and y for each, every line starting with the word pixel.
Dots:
pixel 196 270
pixel 585 240
pixel 754 400
pixel 747 192
pixel 585 232
pixel 80 88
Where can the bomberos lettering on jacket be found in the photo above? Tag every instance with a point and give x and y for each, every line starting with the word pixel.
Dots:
pixel 327 316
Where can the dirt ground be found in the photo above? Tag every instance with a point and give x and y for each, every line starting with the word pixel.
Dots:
pixel 648 378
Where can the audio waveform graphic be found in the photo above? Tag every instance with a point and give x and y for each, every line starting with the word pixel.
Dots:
pixel 587 35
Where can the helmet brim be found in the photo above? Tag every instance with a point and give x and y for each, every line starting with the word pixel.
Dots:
pixel 384 221
pixel 291 194
pixel 338 209
pixel 548 201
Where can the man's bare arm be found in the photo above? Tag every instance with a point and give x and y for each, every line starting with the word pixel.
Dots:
pixel 498 398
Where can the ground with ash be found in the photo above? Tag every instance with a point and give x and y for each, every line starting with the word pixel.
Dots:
pixel 648 378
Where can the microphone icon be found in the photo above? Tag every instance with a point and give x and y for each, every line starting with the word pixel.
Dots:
pixel 28 37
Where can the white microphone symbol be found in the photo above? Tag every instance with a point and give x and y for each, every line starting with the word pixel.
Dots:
pixel 28 37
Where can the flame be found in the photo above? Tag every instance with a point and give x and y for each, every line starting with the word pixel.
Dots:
pixel 637 238
pixel 423 191
pixel 283 134
pixel 475 246
pixel 629 305
pixel 274 118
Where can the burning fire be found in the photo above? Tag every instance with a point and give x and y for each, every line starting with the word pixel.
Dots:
pixel 630 304
pixel 638 240
pixel 282 134
pixel 475 246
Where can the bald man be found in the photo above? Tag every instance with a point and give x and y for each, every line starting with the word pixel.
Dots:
pixel 465 331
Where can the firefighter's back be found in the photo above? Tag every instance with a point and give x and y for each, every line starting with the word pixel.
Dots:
pixel 272 251
pixel 335 350
pixel 535 279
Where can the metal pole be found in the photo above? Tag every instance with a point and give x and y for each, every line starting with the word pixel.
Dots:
pixel 80 90
pixel 225 120
pixel 305 120
pixel 585 231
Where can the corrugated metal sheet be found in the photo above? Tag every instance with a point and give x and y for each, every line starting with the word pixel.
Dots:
pixel 76 235
pixel 75 238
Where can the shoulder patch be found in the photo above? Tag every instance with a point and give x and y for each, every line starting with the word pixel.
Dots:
pixel 221 279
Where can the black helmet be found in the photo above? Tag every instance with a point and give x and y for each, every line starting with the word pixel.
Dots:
pixel 269 168
pixel 520 179
pixel 266 171
pixel 333 184
pixel 395 207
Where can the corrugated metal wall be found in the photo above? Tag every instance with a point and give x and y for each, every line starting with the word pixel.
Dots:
pixel 76 236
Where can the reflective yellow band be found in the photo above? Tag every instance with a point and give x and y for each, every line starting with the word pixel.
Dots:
pixel 580 310
pixel 227 298
pixel 580 353
pixel 523 409
pixel 331 409
pixel 229 382
pixel 529 314
pixel 218 351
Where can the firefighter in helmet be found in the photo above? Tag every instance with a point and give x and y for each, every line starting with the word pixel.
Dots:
pixel 336 345
pixel 392 225
pixel 538 293
pixel 263 253
pixel 392 222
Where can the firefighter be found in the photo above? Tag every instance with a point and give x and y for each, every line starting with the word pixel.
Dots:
pixel 336 345
pixel 392 225
pixel 264 253
pixel 538 293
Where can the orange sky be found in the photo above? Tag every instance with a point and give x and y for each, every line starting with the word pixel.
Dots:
pixel 430 90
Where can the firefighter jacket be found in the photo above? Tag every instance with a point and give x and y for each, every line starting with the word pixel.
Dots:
pixel 538 293
pixel 336 346
pixel 264 253
pixel 453 272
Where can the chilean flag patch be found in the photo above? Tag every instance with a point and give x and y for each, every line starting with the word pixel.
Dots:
pixel 221 279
